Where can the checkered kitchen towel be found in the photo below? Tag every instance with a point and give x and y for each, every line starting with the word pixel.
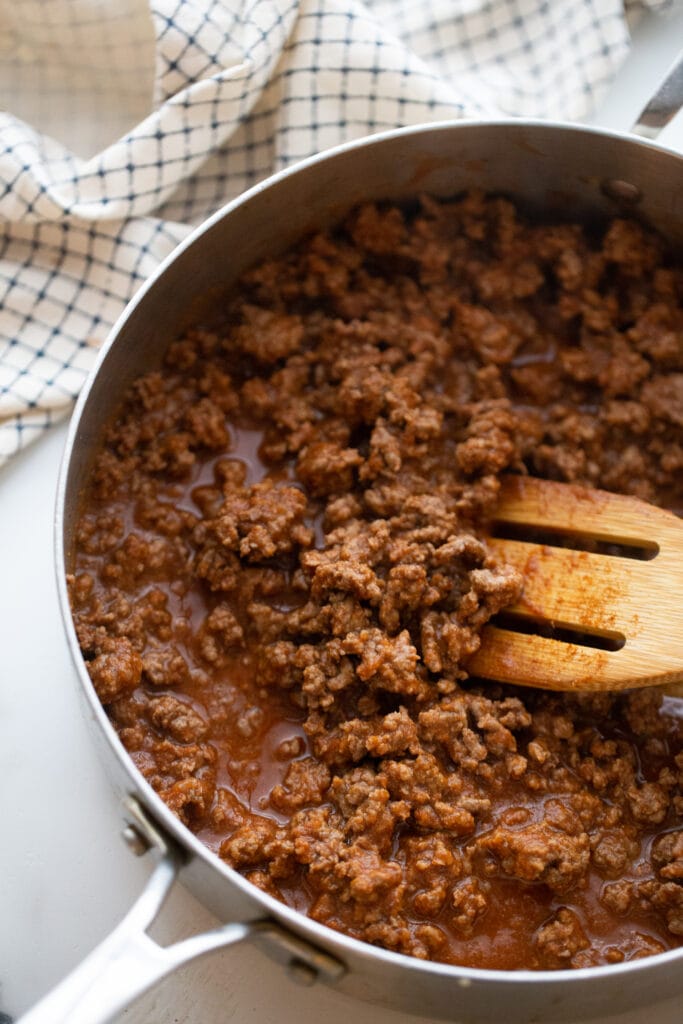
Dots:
pixel 126 122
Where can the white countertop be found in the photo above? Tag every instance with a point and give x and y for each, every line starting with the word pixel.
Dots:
pixel 66 877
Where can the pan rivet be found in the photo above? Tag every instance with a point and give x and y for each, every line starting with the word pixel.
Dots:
pixel 302 973
pixel 135 841
pixel 621 191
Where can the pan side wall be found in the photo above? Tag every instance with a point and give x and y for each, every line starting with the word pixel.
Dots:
pixel 551 171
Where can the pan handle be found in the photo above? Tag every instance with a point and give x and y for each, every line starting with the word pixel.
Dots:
pixel 665 103
pixel 129 962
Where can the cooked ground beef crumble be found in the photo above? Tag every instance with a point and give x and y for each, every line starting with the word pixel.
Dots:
pixel 282 571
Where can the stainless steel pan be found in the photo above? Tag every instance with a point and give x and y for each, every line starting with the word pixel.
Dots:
pixel 550 169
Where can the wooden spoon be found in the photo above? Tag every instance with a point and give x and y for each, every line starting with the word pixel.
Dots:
pixel 631 607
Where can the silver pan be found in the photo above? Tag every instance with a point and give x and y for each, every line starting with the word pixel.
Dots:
pixel 550 169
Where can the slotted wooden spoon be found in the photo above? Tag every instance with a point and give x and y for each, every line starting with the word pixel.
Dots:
pixel 631 603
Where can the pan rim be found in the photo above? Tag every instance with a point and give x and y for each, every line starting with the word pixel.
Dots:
pixel 315 932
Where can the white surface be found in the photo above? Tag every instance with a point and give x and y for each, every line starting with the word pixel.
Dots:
pixel 65 876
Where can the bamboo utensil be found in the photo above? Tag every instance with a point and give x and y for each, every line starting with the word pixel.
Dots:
pixel 610 618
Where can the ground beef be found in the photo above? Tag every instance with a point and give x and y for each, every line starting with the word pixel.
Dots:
pixel 282 570
pixel 114 665
pixel 561 939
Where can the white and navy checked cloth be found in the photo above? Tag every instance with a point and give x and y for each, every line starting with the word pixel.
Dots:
pixel 125 122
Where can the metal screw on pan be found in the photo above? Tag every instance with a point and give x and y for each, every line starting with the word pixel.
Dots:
pixel 623 192
pixel 135 842
pixel 301 973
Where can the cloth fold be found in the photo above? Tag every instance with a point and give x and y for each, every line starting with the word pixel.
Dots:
pixel 126 123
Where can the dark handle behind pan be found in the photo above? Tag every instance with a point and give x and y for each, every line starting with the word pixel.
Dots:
pixel 665 103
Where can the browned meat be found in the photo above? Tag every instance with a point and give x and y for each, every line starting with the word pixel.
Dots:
pixel 282 570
